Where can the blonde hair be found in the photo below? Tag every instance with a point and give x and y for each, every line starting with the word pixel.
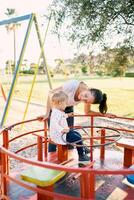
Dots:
pixel 58 97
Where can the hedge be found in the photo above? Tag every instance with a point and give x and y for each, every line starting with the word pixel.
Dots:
pixel 129 74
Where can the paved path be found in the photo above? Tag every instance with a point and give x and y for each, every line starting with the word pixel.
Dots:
pixel 16 111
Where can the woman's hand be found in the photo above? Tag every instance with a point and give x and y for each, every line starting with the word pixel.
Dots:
pixel 110 115
pixel 43 117
pixel 70 114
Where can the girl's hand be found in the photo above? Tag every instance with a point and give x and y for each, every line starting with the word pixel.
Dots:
pixel 65 130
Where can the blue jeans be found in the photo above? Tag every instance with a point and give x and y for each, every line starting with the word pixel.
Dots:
pixel 72 137
pixel 70 121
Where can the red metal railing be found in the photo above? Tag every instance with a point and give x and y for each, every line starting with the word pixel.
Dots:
pixel 87 174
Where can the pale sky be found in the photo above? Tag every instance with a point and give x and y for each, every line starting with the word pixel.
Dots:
pixel 23 7
pixel 52 47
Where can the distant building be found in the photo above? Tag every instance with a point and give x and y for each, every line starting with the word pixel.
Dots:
pixel 25 66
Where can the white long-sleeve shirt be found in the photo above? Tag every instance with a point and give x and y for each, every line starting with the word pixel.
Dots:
pixel 58 122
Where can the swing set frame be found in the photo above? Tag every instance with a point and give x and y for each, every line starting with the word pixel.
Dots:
pixel 32 20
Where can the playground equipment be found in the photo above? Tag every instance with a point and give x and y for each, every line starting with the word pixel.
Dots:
pixel 2 91
pixel 32 19
pixel 52 178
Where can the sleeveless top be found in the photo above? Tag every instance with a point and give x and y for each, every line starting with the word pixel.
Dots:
pixel 70 87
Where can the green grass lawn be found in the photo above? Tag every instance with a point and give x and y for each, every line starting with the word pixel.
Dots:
pixel 120 91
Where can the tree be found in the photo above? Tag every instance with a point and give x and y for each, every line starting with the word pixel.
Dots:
pixel 120 61
pixel 115 61
pixel 9 66
pixel 12 27
pixel 90 20
pixel 59 64
pixel 82 62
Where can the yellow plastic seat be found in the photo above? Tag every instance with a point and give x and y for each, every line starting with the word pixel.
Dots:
pixel 42 177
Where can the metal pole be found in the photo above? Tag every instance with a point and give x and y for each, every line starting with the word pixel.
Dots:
pixel 102 148
pixel 35 73
pixel 15 20
pixel 3 93
pixel 14 33
pixel 16 71
pixel 42 51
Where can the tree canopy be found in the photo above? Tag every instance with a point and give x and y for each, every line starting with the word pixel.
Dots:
pixel 95 20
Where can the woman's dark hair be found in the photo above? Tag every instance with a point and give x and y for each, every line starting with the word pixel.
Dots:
pixel 100 98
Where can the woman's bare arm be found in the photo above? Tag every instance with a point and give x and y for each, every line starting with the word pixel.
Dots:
pixel 56 89
pixel 48 108
pixel 48 104
pixel 88 111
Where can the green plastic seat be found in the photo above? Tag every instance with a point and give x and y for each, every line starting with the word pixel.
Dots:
pixel 42 177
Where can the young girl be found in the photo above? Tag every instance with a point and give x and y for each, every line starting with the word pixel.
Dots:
pixel 59 130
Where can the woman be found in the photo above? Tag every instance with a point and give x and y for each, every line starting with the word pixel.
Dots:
pixel 78 92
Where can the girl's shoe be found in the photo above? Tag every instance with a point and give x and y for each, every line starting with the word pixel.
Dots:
pixel 87 150
pixel 84 158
